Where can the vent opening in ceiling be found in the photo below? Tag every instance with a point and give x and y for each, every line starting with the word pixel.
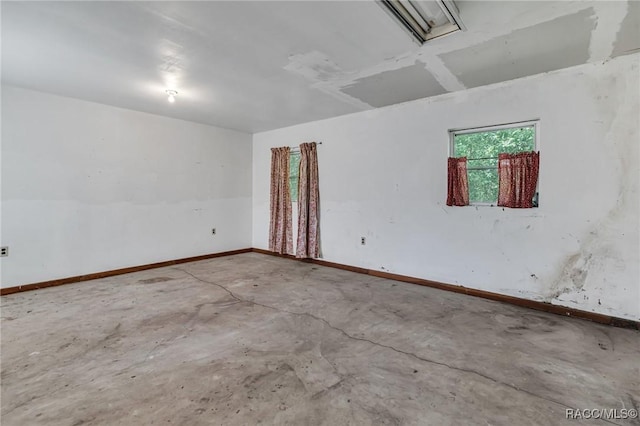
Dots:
pixel 425 19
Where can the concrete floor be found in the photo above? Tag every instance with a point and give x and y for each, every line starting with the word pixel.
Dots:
pixel 255 339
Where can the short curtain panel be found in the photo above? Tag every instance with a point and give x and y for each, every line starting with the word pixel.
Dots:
pixel 517 179
pixel 457 182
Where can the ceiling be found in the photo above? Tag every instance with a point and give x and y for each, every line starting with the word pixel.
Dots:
pixel 255 66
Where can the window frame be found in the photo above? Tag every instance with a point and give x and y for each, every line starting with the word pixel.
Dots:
pixel 535 123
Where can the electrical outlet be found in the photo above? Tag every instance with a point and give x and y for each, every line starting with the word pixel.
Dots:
pixel 4 251
pixel 363 240
pixel 213 231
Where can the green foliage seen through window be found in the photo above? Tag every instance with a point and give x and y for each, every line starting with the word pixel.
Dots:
pixel 482 149
pixel 294 169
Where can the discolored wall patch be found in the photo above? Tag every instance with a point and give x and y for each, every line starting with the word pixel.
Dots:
pixel 392 87
pixel 559 43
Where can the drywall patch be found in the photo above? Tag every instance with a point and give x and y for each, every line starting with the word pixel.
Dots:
pixel 628 38
pixel 609 20
pixel 392 87
pixel 560 43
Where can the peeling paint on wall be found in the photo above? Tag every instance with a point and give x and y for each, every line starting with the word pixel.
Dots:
pixel 573 276
pixel 593 269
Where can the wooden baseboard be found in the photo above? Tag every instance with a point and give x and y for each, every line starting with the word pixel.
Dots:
pixel 96 275
pixel 531 304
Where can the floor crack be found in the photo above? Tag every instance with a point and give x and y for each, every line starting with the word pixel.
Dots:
pixel 382 345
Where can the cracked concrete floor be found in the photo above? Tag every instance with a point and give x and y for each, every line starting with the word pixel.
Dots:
pixel 255 339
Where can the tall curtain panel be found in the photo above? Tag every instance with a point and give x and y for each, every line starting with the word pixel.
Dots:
pixel 458 182
pixel 280 227
pixel 308 203
pixel 517 179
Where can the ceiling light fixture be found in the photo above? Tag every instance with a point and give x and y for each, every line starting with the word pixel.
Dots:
pixel 172 95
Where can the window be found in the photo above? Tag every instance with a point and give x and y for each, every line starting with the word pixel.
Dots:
pixel 481 146
pixel 294 170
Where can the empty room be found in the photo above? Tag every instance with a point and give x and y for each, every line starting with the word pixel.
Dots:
pixel 394 212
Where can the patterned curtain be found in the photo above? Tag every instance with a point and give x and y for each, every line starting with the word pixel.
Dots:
pixel 280 228
pixel 458 182
pixel 517 179
pixel 308 198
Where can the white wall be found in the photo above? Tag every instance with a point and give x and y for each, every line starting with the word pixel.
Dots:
pixel 383 176
pixel 88 187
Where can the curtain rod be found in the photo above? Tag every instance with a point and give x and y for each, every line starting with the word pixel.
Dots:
pixel 481 158
pixel 297 148
pixel 491 158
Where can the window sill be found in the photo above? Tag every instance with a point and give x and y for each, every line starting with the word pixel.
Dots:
pixel 482 205
pixel 500 207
